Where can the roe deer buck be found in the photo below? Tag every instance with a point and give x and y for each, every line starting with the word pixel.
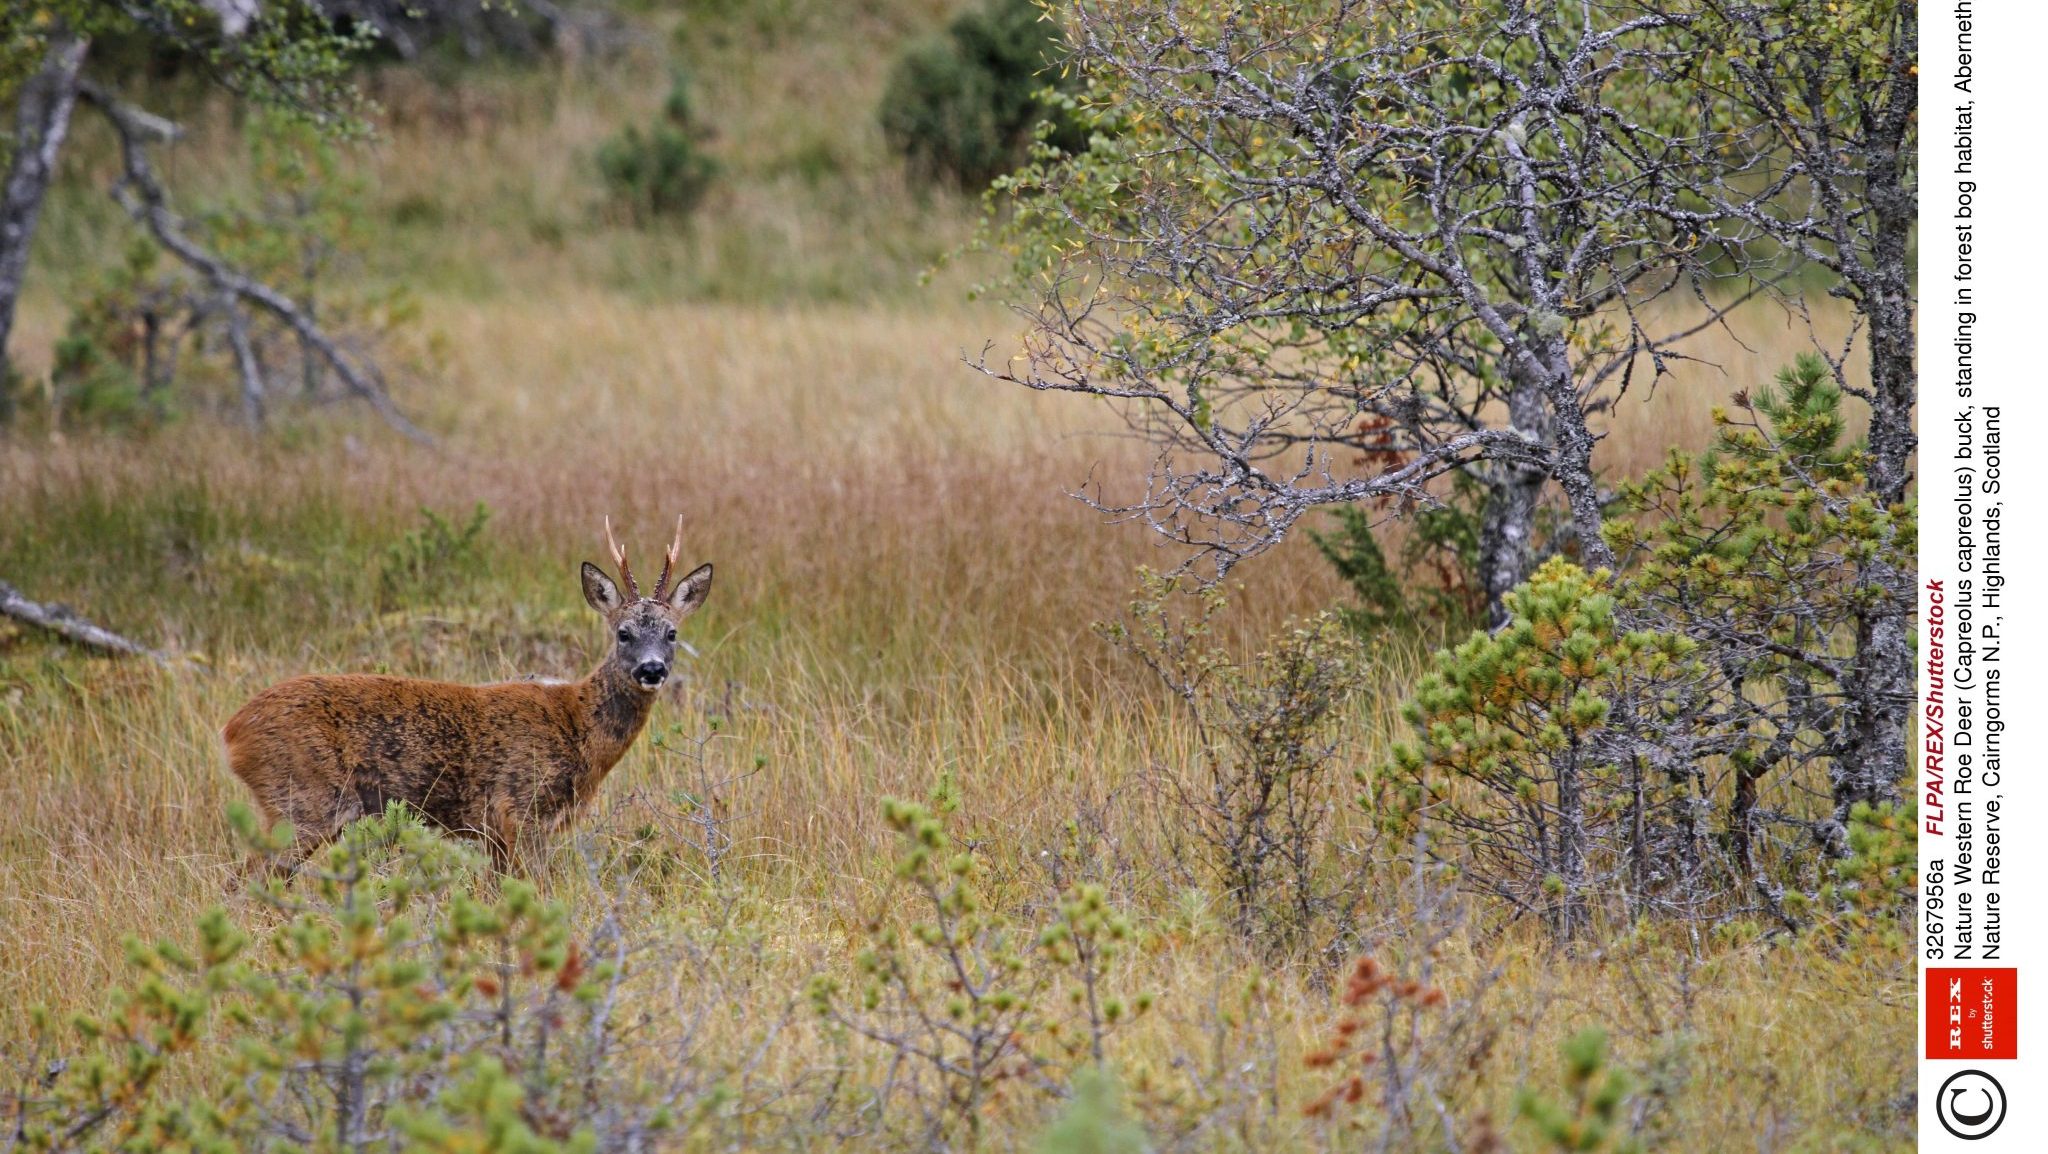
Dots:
pixel 495 762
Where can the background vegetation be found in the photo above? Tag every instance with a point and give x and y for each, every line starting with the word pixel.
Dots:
pixel 941 841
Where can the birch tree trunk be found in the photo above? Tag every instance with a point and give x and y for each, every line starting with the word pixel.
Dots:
pixel 41 121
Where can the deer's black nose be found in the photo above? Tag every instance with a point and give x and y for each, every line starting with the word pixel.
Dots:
pixel 650 673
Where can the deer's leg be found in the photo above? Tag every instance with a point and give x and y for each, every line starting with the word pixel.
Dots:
pixel 503 834
pixel 315 819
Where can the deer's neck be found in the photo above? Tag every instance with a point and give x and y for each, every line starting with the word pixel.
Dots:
pixel 615 711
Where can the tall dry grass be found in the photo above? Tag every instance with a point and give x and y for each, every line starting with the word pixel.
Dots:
pixel 904 596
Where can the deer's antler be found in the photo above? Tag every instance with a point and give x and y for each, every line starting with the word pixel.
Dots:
pixel 619 559
pixel 668 563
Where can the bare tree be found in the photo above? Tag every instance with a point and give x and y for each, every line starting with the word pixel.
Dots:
pixel 1311 238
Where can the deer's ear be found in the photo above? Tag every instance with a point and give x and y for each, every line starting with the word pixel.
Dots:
pixel 690 591
pixel 599 590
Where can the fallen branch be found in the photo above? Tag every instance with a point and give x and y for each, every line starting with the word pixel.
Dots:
pixel 142 195
pixel 66 624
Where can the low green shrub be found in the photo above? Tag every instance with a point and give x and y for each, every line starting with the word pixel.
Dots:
pixel 111 367
pixel 1095 1121
pixel 430 556
pixel 962 106
pixel 390 998
pixel 1590 1119
pixel 1253 813
pixel 968 1001
pixel 662 170
pixel 1437 578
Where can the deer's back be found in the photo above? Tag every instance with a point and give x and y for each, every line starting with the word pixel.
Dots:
pixel 441 747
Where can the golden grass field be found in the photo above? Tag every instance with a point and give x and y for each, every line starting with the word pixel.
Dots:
pixel 903 594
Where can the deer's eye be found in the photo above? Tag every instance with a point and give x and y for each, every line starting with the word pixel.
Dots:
pixel 671 633
pixel 625 635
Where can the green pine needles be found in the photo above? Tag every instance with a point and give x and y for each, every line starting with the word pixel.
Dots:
pixel 1671 739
